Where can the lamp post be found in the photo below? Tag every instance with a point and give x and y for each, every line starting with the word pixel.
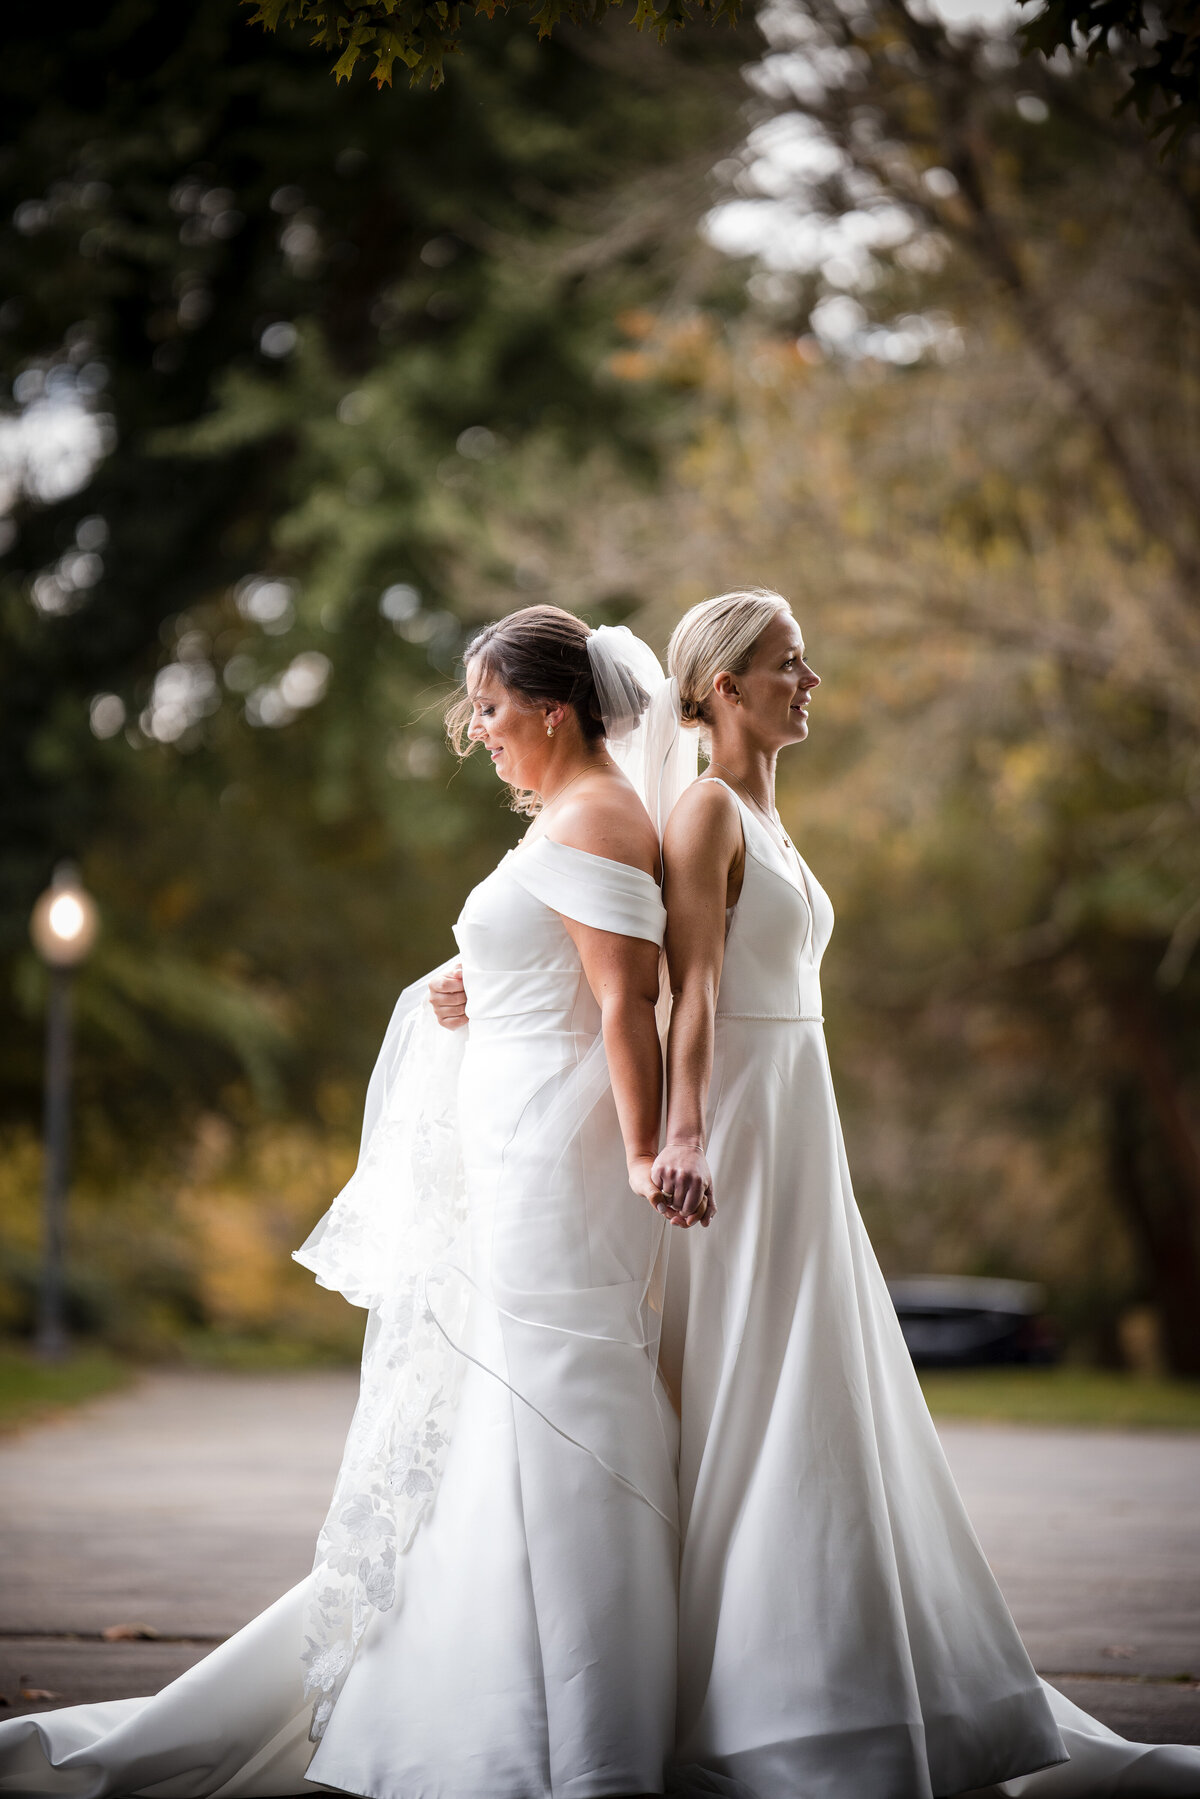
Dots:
pixel 63 928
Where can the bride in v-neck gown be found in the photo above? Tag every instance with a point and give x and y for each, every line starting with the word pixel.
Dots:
pixel 821 1525
pixel 841 1635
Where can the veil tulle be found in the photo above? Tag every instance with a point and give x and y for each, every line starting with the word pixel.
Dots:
pixel 399 1215
pixel 397 1241
pixel 640 708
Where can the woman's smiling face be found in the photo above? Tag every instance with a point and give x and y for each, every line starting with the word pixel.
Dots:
pixel 776 687
pixel 511 728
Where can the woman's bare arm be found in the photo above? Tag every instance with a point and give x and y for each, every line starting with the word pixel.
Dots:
pixel 703 859
pixel 623 974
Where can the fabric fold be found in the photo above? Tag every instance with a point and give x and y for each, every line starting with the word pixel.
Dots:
pixel 592 890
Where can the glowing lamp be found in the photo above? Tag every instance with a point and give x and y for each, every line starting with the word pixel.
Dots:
pixel 64 922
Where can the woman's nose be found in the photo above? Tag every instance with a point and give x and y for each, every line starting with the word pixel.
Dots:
pixel 810 677
pixel 475 728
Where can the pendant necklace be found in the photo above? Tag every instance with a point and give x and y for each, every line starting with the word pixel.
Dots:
pixel 591 768
pixel 776 823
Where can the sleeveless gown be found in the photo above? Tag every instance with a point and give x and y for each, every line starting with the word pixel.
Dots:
pixel 530 1649
pixel 841 1635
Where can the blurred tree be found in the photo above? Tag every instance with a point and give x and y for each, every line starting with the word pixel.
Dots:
pixel 421 34
pixel 1000 158
pixel 267 340
pixel 1157 47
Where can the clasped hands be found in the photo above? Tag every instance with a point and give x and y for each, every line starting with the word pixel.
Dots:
pixel 680 1183
pixel 677 1182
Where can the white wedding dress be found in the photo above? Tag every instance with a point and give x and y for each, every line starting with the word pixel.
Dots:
pixel 841 1635
pixel 493 1611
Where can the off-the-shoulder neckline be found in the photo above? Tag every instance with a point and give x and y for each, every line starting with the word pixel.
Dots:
pixel 568 849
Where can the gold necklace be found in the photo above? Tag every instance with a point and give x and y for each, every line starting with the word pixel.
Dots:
pixel 775 823
pixel 591 769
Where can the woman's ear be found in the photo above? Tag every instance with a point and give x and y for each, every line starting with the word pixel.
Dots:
pixel 726 688
pixel 553 716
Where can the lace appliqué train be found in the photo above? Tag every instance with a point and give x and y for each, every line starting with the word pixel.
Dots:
pixel 399 1216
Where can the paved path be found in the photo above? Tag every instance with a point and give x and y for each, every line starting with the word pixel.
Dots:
pixel 188 1503
pixel 191 1501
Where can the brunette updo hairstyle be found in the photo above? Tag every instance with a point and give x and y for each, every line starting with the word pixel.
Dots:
pixel 540 653
pixel 716 637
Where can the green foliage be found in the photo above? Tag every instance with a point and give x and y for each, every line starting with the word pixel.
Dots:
pixel 1156 47
pixel 434 271
pixel 422 33
pixel 1058 1396
pixel 1159 46
pixel 323 343
pixel 32 1391
pixel 173 1250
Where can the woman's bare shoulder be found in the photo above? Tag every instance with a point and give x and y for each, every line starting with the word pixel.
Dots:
pixel 705 817
pixel 608 819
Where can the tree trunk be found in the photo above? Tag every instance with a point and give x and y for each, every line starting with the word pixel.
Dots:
pixel 1154 1168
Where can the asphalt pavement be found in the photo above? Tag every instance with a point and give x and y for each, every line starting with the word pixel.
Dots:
pixel 186 1504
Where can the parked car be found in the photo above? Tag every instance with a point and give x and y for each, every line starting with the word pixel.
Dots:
pixel 951 1321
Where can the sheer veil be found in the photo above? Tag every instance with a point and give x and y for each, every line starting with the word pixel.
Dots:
pixel 640 708
pixel 398 1241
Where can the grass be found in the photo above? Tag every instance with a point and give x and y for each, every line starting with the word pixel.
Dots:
pixel 259 1355
pixel 31 1391
pixel 1065 1395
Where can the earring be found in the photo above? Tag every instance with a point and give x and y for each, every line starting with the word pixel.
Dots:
pixel 549 730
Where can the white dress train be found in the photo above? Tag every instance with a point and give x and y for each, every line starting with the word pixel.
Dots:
pixel 841 1635
pixel 509 1632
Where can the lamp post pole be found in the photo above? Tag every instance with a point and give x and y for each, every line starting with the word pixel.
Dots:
pixel 63 928
pixel 51 1318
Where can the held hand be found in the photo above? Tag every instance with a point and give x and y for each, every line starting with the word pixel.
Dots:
pixel 448 998
pixel 684 1178
pixel 642 1182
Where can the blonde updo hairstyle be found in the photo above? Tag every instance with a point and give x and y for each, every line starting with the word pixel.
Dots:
pixel 716 637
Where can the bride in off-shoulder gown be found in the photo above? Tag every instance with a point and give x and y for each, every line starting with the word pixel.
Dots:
pixel 492 1614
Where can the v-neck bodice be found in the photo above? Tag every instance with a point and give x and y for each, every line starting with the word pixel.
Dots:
pixel 778 932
